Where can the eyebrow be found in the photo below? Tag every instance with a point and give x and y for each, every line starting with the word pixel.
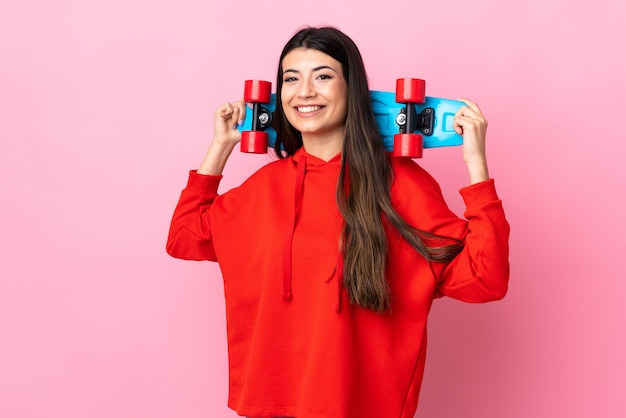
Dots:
pixel 321 67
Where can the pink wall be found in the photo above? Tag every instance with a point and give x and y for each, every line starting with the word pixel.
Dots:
pixel 105 105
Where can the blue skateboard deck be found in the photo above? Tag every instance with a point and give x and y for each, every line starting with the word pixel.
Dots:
pixel 438 131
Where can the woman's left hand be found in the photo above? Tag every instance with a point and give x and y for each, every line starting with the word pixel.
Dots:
pixel 470 123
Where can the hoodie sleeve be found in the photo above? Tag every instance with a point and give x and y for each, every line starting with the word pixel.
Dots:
pixel 480 273
pixel 190 230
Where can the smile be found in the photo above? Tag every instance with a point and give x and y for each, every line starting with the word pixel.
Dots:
pixel 308 109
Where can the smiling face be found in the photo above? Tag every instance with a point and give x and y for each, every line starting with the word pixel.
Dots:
pixel 314 96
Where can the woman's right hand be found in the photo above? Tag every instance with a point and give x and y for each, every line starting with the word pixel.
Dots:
pixel 227 118
pixel 225 137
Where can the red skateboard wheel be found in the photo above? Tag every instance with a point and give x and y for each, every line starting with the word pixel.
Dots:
pixel 257 91
pixel 408 145
pixel 410 90
pixel 254 142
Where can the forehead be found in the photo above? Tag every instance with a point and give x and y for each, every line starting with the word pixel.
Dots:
pixel 302 59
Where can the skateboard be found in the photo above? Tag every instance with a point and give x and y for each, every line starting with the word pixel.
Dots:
pixel 407 119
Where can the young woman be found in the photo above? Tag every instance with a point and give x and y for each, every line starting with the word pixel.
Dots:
pixel 332 254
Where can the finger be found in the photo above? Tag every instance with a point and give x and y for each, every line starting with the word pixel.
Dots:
pixel 464 116
pixel 473 106
pixel 241 106
pixel 472 110
pixel 459 124
pixel 469 120
pixel 235 117
pixel 468 112
pixel 463 124
pixel 225 110
pixel 458 129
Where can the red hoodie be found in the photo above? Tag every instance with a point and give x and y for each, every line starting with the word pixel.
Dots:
pixel 296 346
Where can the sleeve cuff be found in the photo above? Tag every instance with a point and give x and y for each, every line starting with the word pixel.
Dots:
pixel 479 193
pixel 203 183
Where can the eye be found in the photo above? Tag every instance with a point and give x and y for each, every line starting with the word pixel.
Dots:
pixel 289 79
pixel 324 77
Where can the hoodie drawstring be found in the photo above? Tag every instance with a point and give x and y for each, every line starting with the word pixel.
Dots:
pixel 340 286
pixel 288 256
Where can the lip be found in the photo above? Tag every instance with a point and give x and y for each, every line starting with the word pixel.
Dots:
pixel 308 109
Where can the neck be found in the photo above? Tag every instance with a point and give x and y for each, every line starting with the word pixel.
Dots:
pixel 323 147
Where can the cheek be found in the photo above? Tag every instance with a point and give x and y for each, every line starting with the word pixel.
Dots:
pixel 284 101
pixel 288 111
pixel 287 91
pixel 343 97
pixel 345 108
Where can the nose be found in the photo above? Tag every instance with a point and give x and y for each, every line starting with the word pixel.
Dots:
pixel 307 88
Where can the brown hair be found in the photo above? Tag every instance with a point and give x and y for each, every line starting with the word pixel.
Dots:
pixel 363 189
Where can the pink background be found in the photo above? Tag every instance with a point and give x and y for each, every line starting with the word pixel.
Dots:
pixel 105 105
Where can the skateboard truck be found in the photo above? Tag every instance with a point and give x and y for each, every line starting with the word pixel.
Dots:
pixel 261 117
pixel 257 92
pixel 410 121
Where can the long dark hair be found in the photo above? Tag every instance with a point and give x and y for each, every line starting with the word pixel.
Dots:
pixel 363 188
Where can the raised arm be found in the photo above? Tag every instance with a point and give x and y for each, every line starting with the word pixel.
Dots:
pixel 470 123
pixel 225 137
pixel 480 272
pixel 190 229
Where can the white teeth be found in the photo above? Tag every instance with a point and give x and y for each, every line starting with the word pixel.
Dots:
pixel 307 109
